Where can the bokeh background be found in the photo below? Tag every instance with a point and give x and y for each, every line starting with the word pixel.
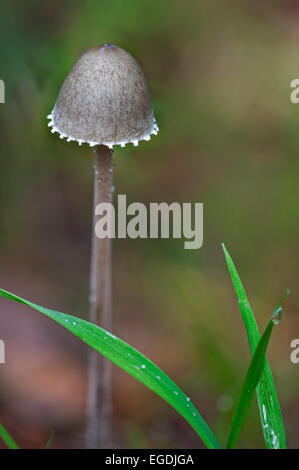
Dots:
pixel 219 75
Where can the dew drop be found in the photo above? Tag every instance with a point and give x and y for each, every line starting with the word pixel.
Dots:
pixel 264 413
pixel 143 366
pixel 277 316
pixel 275 442
pixel 111 335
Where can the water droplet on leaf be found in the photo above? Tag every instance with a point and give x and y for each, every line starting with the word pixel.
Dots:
pixel 277 316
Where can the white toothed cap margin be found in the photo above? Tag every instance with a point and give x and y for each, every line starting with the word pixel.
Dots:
pixel 108 144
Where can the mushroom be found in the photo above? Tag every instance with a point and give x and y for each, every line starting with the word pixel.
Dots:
pixel 104 101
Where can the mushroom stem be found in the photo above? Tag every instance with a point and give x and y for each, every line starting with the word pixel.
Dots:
pixel 99 403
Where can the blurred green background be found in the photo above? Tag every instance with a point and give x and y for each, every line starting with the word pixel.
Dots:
pixel 219 75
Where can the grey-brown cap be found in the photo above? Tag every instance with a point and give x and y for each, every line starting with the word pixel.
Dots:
pixel 104 100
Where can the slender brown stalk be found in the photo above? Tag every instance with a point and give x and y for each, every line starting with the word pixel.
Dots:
pixel 99 406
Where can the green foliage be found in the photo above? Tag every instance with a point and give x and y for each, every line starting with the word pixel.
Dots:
pixel 251 380
pixel 132 361
pixel 270 414
pixel 50 440
pixel 145 371
pixel 7 438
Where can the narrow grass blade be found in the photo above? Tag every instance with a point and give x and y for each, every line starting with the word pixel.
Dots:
pixel 7 438
pixel 251 380
pixel 133 362
pixel 50 440
pixel 270 414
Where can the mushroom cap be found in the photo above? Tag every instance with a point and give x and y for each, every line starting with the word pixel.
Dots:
pixel 104 100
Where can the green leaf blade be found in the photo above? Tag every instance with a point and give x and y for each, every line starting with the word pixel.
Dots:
pixel 269 409
pixel 132 361
pixel 50 440
pixel 249 385
pixel 7 438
